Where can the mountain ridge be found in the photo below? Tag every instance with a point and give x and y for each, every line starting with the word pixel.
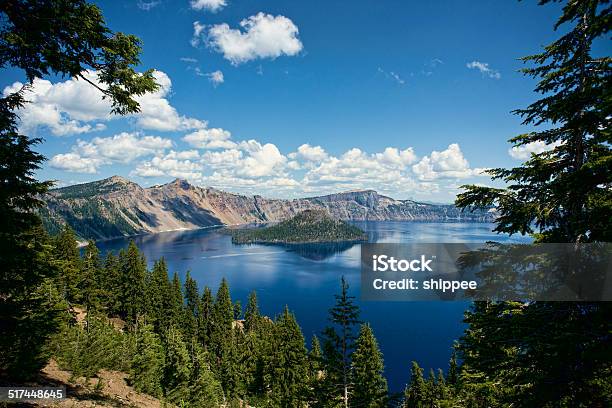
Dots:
pixel 116 207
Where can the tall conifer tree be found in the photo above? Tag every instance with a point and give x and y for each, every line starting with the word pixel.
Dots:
pixel 287 371
pixel 178 366
pixel 205 317
pixel 90 287
pixel 192 308
pixel 251 314
pixel 133 269
pixel 159 296
pixel 415 392
pixel 68 39
pixel 560 195
pixel 66 253
pixel 339 346
pixel 147 368
pixel 369 383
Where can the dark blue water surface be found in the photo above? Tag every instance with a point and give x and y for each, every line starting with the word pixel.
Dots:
pixel 306 279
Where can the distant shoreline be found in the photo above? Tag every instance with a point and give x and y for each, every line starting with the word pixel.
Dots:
pixel 82 244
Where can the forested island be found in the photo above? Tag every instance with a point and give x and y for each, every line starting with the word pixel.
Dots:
pixel 309 226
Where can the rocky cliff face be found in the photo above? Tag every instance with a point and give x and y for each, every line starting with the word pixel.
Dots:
pixel 117 207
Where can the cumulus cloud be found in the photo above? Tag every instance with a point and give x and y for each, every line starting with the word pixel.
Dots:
pixel 261 168
pixel 309 153
pixel 449 163
pixel 260 160
pixel 74 163
pixel 213 138
pixel 524 152
pixel 156 112
pixel 87 156
pixel 183 164
pixel 208 5
pixel 216 77
pixel 484 69
pixel 75 107
pixel 259 36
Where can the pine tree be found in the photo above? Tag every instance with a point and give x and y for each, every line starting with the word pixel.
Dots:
pixel 345 315
pixel 230 371
pixel 177 370
pixel 175 311
pixel 252 315
pixel 31 307
pixel 237 310
pixel 133 269
pixel 416 391
pixel 66 254
pixel 315 373
pixel 205 390
pixel 86 350
pixel 90 287
pixel 287 371
pixel 441 392
pixel 159 295
pixel 68 39
pixel 223 309
pixel 431 389
pixel 111 289
pixel 370 385
pixel 148 362
pixel 560 195
pixel 453 373
pixel 192 308
pixel 223 319
pixel 205 316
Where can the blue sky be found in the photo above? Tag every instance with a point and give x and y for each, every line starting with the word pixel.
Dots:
pixel 302 98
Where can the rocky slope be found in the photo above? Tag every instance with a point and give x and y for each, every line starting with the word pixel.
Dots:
pixel 116 207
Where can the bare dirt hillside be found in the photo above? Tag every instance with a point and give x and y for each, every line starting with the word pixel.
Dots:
pixel 112 392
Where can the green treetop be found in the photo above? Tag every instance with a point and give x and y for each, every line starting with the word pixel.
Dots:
pixel 369 384
pixel 564 192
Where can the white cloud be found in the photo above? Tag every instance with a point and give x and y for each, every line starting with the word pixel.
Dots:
pixel 198 30
pixel 449 163
pixel 123 147
pixel 156 113
pixel 216 77
pixel 484 69
pixel 252 167
pixel 183 164
pixel 392 156
pixel 261 160
pixel 213 138
pixel 76 107
pixel 260 36
pixel 189 60
pixel 74 163
pixel 524 152
pixel 209 5
pixel 86 157
pixel 309 153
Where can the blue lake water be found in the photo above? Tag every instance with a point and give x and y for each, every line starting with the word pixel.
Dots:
pixel 307 278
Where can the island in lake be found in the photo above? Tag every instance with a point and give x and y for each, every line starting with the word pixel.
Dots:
pixel 309 226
